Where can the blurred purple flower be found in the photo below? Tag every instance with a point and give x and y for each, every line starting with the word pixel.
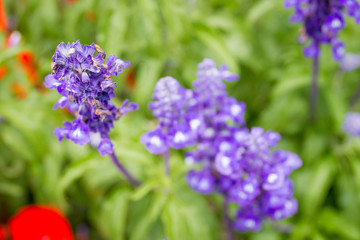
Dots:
pixel 322 22
pixel 230 159
pixel 350 62
pixel 351 124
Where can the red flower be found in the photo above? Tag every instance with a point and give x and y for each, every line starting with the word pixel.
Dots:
pixel 3 234
pixel 39 222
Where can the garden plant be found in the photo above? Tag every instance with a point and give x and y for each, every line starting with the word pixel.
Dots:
pixel 179 119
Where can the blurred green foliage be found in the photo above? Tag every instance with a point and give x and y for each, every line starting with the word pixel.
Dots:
pixel 169 37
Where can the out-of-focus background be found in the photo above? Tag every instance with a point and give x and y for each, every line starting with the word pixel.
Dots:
pixel 161 38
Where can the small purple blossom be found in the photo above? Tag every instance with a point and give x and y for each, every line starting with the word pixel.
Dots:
pixel 230 159
pixel 173 131
pixel 350 62
pixel 84 81
pixel 351 125
pixel 322 22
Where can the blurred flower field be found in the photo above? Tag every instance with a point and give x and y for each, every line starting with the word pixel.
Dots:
pixel 296 85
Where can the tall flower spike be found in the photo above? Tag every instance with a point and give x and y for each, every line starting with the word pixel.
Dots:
pixel 322 22
pixel 84 81
pixel 83 77
pixel 170 109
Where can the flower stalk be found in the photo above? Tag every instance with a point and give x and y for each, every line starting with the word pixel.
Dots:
pixel 314 89
pixel 124 171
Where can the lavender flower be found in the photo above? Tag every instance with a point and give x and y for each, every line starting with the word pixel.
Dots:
pixel 169 107
pixel 230 159
pixel 350 62
pixel 351 124
pixel 84 81
pixel 322 22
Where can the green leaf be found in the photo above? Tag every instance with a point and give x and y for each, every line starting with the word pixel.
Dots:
pixel 114 214
pixel 149 216
pixel 186 216
pixel 337 108
pixel 314 146
pixel 258 11
pixel 318 186
pixel 290 84
pixel 334 223
pixel 147 76
pixel 113 23
pixel 217 45
pixel 15 141
pixel 75 171
pixel 10 189
pixel 144 189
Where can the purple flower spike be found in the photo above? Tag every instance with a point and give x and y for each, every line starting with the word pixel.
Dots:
pixel 170 109
pixel 237 163
pixel 322 22
pixel 85 83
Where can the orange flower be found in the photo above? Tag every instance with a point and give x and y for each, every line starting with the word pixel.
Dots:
pixel 71 1
pixel 26 59
pixel 3 71
pixel 3 19
pixel 19 90
pixel 130 79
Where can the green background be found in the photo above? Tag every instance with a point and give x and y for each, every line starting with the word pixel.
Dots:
pixel 169 38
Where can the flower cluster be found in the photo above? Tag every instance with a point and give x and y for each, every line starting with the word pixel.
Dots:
pixel 174 129
pixel 351 125
pixel 85 83
pixel 323 19
pixel 229 159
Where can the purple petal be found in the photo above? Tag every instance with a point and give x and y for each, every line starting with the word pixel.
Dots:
pixel 334 22
pixel 338 50
pixel 155 141
pixel 105 147
pixel 273 179
pixel 311 51
pixel 79 133
pixel 201 181
pixel 51 82
pixel 61 103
